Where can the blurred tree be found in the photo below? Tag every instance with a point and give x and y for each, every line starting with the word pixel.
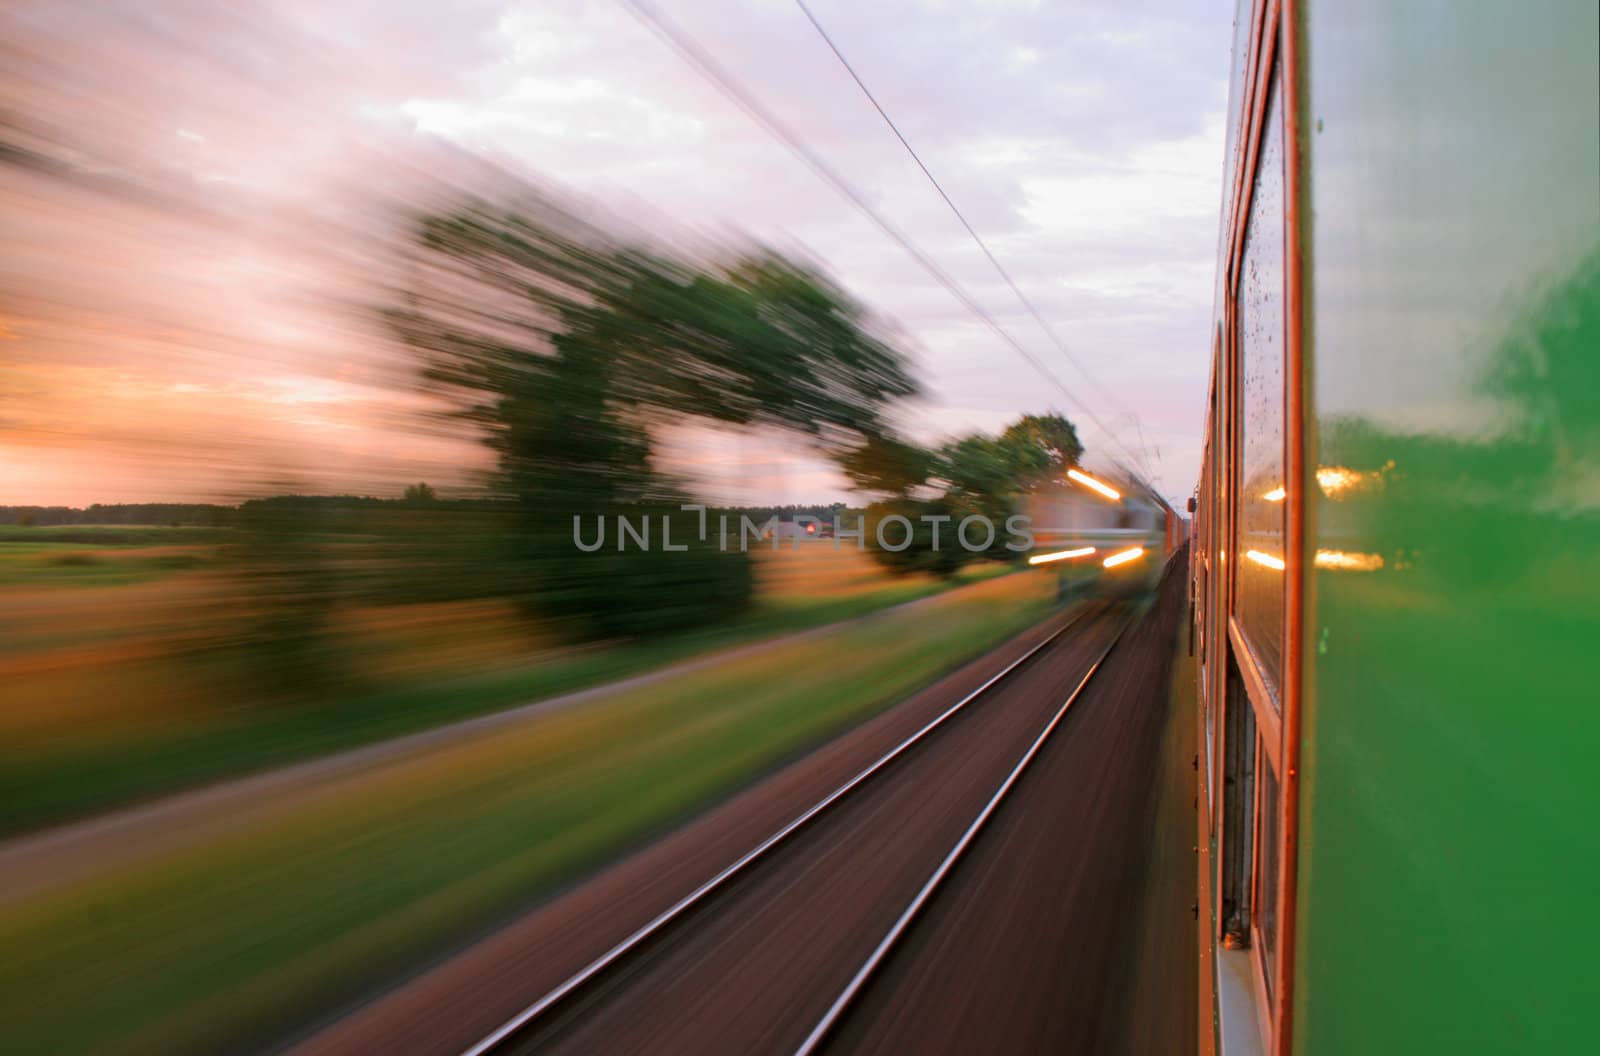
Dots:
pixel 1041 447
pixel 283 609
pixel 924 541
pixel 978 468
pixel 420 494
pixel 568 347
pixel 980 476
pixel 983 476
pixel 885 465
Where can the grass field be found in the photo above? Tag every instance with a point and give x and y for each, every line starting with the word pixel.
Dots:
pixel 100 555
pixel 114 690
pixel 231 940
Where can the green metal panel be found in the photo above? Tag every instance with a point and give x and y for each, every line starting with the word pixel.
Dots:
pixel 1448 892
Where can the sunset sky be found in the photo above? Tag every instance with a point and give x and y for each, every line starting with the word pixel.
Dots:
pixel 198 195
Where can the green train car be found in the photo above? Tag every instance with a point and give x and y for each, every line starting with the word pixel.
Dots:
pixel 1395 568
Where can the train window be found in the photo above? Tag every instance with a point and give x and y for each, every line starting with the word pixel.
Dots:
pixel 1266 869
pixel 1259 318
pixel 1221 509
pixel 1238 806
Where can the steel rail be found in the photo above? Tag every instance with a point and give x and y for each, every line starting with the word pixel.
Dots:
pixel 858 982
pixel 517 1023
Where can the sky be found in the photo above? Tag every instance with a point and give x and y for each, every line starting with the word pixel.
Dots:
pixel 194 214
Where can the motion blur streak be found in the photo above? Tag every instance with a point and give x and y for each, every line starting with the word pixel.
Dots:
pixel 1347 561
pixel 307 375
pixel 1089 482
pixel 1124 557
pixel 1060 555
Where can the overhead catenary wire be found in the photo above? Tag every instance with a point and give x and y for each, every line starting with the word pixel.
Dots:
pixel 1027 303
pixel 711 70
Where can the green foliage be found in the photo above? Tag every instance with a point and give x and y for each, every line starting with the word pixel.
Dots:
pixel 980 476
pixel 74 558
pixel 567 347
pixel 977 470
pixel 283 641
pixel 168 514
pixel 223 943
pixel 625 591
pixel 885 465
pixel 1041 447
pixel 82 775
pixel 103 535
pixel 933 545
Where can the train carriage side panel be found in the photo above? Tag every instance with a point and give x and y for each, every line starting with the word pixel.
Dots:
pixel 1453 323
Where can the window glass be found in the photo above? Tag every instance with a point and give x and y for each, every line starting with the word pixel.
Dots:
pixel 1266 900
pixel 1259 564
pixel 1238 805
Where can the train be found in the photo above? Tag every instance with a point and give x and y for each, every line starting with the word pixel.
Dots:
pixel 1396 535
pixel 1108 533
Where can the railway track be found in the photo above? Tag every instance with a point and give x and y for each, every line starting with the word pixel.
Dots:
pixel 740 962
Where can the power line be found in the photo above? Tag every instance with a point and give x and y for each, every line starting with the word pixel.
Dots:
pixel 713 71
pixel 1027 303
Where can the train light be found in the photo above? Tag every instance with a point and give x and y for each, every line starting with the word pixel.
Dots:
pixel 1122 557
pixel 1094 485
pixel 1348 561
pixel 1277 494
pixel 1060 555
pixel 1336 480
pixel 1268 560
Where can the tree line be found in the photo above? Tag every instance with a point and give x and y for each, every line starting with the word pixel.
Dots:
pixel 934 489
pixel 141 513
pixel 567 347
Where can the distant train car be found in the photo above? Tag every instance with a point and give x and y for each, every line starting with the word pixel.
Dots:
pixel 1397 535
pixel 1106 533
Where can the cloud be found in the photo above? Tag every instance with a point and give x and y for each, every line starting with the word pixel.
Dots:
pixel 232 166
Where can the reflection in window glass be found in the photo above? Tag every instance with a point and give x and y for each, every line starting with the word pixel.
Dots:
pixel 1266 900
pixel 1238 803
pixel 1260 318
